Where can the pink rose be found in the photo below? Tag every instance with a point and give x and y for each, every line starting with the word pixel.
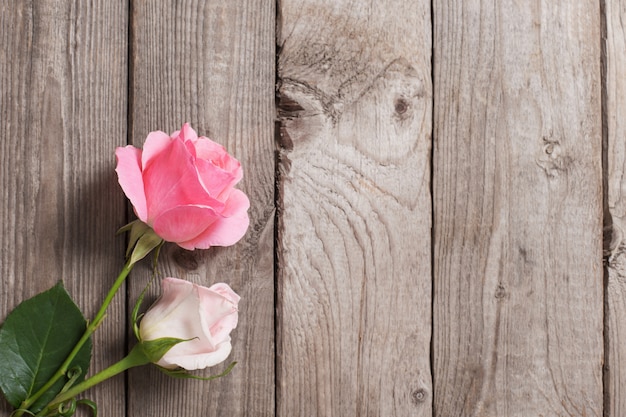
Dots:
pixel 189 311
pixel 182 186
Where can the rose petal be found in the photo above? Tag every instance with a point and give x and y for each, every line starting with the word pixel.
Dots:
pixel 171 180
pixel 130 178
pixel 156 142
pixel 237 203
pixel 220 331
pixel 188 311
pixel 225 231
pixel 215 180
pixel 197 361
pixel 186 133
pixel 218 305
pixel 215 153
pixel 226 291
pixel 184 223
pixel 178 299
pixel 204 349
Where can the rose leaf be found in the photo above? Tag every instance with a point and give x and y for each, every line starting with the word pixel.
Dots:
pixel 35 339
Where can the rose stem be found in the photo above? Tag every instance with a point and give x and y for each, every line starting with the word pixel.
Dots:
pixel 136 357
pixel 91 328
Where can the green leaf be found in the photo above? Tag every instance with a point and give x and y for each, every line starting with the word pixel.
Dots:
pixel 35 340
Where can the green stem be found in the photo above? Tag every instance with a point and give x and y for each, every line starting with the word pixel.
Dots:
pixel 136 357
pixel 91 328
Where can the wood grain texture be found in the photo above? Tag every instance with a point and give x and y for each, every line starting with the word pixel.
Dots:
pixel 615 297
pixel 62 113
pixel 211 63
pixel 518 297
pixel 354 282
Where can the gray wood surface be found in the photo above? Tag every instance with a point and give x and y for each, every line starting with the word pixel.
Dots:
pixel 354 283
pixel 211 63
pixel 615 246
pixel 517 187
pixel 491 305
pixel 62 113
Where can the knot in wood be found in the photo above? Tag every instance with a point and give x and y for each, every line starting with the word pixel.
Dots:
pixel 418 396
pixel 186 259
pixel 553 160
pixel 401 106
pixel 500 291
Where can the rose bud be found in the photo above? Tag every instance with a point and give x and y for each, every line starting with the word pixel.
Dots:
pixel 203 317
pixel 182 186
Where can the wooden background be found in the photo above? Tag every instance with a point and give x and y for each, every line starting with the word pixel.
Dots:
pixel 430 187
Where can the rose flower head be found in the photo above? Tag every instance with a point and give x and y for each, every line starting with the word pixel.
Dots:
pixel 203 317
pixel 182 186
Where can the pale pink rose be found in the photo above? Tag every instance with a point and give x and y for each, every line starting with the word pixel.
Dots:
pixel 190 311
pixel 182 186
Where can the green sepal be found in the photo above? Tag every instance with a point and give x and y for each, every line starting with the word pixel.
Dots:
pixel 136 228
pixel 155 349
pixel 135 315
pixel 126 227
pixel 183 373
pixel 145 245
pixel 141 240
pixel 36 338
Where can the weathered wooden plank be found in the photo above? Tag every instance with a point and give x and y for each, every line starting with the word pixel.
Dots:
pixel 517 209
pixel 211 63
pixel 354 282
pixel 62 112
pixel 615 297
